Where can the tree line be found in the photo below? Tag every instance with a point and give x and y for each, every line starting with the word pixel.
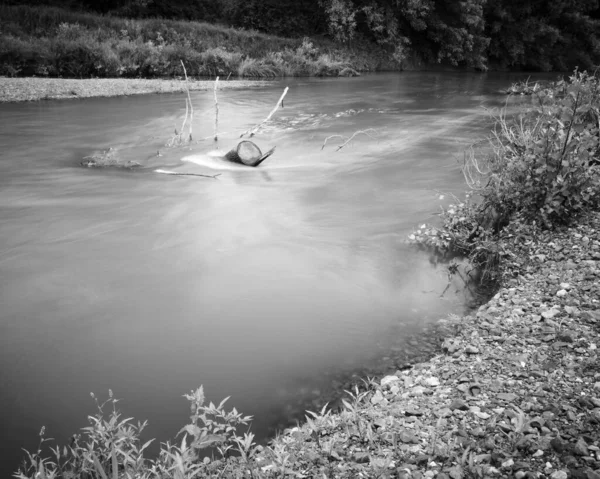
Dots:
pixel 512 34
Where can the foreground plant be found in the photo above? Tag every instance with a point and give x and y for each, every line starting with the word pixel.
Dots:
pixel 110 446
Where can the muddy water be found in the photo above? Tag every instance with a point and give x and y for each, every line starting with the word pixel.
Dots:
pixel 259 284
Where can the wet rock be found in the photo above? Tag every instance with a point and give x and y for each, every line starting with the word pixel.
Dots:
pixel 508 397
pixel 458 404
pixel 558 445
pixel 580 448
pixel 413 412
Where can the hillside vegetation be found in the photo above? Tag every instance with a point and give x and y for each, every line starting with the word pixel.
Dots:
pixel 267 38
pixel 57 42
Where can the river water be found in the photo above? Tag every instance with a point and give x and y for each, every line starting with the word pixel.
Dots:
pixel 260 284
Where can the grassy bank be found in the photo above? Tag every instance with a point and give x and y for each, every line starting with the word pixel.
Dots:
pixel 514 390
pixel 46 41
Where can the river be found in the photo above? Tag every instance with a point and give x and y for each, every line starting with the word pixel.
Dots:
pixel 260 284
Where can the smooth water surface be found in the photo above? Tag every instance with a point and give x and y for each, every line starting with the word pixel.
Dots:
pixel 259 284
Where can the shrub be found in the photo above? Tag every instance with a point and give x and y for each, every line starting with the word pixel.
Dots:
pixel 252 68
pixel 111 446
pixel 218 61
pixel 20 57
pixel 541 163
pixel 538 168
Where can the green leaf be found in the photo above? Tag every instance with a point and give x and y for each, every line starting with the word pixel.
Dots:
pixel 115 465
pixel 98 466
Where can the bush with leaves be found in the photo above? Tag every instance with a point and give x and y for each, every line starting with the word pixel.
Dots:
pixel 111 447
pixel 542 163
pixel 539 167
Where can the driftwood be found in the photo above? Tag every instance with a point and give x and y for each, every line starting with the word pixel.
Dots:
pixel 216 110
pixel 279 103
pixel 248 153
pixel 176 173
pixel 361 132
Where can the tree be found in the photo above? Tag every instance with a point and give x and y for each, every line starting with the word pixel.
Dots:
pixel 543 34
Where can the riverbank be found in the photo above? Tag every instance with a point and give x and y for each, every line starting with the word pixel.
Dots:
pixel 515 392
pixel 53 42
pixel 32 89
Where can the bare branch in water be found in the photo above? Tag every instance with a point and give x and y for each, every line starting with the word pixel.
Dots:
pixel 178 138
pixel 176 173
pixel 361 132
pixel 189 100
pixel 216 110
pixel 252 131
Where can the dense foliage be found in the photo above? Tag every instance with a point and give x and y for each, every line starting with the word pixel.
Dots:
pixel 539 168
pixel 57 42
pixel 529 34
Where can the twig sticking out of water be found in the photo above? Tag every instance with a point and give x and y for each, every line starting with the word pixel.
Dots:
pixel 216 111
pixel 361 132
pixel 252 131
pixel 176 173
pixel 189 100
pixel 178 139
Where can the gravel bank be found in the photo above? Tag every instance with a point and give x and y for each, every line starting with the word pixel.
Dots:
pixel 514 392
pixel 31 89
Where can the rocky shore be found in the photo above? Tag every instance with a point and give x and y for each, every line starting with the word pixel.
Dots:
pixel 514 392
pixel 34 88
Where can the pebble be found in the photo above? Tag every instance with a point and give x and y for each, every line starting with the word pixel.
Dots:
pixel 559 475
pixel 580 447
pixel 458 404
pixel 377 397
pixel 388 380
pixel 431 382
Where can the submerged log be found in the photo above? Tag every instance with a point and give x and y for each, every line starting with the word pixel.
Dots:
pixel 247 153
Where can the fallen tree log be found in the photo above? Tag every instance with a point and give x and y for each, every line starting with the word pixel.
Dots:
pixel 248 153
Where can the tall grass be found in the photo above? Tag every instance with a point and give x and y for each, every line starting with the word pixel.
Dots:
pixel 55 42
